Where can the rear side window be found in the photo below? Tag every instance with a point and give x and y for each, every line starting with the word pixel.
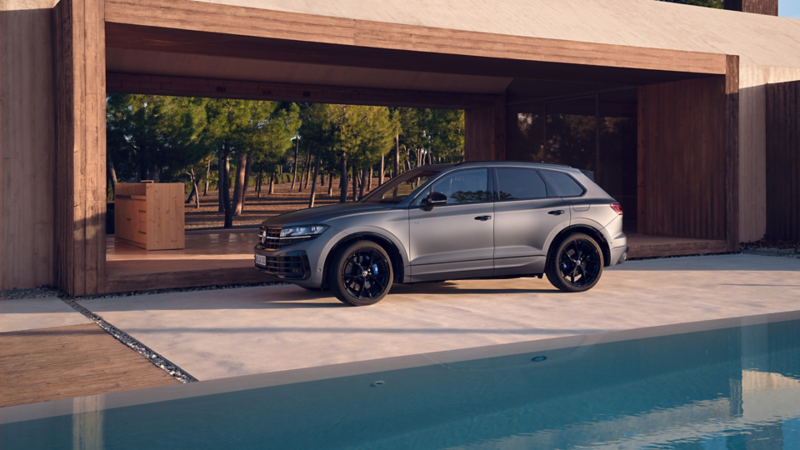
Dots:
pixel 564 185
pixel 519 184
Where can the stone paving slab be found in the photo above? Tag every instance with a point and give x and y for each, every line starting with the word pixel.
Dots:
pixel 233 332
pixel 33 313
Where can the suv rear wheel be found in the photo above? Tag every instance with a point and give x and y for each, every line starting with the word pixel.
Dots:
pixel 360 274
pixel 576 264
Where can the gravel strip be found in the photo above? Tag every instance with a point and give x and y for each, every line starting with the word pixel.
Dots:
pixel 156 359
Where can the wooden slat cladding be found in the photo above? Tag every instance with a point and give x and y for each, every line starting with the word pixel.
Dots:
pixel 783 161
pixel 251 90
pixel 681 159
pixel 485 132
pixel 214 18
pixel 27 160
pixel 80 146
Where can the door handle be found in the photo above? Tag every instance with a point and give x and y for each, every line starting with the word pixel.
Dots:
pixel 557 212
pixel 483 218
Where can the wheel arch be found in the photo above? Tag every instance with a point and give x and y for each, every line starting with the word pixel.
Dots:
pixel 398 262
pixel 586 229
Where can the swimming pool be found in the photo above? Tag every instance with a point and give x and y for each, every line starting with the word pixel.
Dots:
pixel 714 386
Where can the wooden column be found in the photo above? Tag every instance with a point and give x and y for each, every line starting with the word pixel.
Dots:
pixel 485 132
pixel 80 207
pixel 731 132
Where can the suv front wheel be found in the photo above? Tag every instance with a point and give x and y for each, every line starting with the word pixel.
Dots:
pixel 576 264
pixel 360 274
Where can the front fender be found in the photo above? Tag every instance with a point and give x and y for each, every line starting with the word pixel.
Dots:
pixel 364 230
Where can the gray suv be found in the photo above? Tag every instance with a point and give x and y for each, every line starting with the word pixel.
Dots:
pixel 445 222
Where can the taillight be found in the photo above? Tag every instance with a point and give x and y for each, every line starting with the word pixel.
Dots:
pixel 617 209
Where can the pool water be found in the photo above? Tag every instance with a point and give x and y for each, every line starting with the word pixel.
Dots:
pixel 730 388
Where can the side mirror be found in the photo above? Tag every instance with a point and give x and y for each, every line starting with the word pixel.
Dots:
pixel 435 199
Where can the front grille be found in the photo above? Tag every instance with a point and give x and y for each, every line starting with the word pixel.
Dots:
pixel 286 266
pixel 272 239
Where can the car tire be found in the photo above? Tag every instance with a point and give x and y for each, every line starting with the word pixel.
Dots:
pixel 360 274
pixel 575 264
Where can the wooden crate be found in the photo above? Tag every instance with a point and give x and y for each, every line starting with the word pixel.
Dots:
pixel 150 215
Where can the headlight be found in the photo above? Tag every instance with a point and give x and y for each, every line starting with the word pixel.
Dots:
pixel 307 230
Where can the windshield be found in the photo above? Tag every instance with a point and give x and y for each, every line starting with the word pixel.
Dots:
pixel 401 187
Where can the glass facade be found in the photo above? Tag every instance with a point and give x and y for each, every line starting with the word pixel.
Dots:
pixel 595 133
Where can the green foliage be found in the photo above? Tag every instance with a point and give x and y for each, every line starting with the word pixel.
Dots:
pixel 172 138
pixel 707 3
pixel 152 136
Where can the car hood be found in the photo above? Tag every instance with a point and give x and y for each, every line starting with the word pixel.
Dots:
pixel 321 214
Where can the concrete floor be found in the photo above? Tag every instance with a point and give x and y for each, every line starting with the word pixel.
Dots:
pixel 226 333
pixel 33 313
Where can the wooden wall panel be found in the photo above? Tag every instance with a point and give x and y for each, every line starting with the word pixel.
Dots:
pixel 485 132
pixel 681 159
pixel 81 149
pixel 753 82
pixel 767 7
pixel 27 162
pixel 783 161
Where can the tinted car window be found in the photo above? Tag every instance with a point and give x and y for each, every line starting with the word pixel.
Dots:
pixel 519 184
pixel 464 186
pixel 399 188
pixel 564 185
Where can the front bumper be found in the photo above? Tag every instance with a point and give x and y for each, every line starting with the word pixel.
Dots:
pixel 300 263
pixel 290 266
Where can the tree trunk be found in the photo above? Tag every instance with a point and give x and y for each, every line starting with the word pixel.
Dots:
pixel 369 183
pixel 383 169
pixel 112 174
pixel 396 168
pixel 238 186
pixel 309 159
pixel 330 185
pixel 208 176
pixel 258 183
pixel 343 180
pixel 221 162
pixel 364 173
pixel 247 171
pixel 314 184
pixel 226 191
pixel 322 179
pixel 296 149
pixel 194 192
pixel 355 184
pixel 196 196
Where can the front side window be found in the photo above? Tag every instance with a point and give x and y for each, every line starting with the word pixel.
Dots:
pixel 399 188
pixel 519 184
pixel 564 185
pixel 464 186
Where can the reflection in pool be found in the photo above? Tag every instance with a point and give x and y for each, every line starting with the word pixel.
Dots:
pixel 732 388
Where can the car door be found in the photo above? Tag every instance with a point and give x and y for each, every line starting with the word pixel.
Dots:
pixel 455 240
pixel 526 216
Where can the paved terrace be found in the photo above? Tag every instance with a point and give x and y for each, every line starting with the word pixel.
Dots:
pixel 227 333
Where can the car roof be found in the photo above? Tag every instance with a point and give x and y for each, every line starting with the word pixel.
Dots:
pixel 441 167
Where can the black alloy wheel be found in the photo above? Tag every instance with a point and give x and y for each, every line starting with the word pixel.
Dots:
pixel 576 264
pixel 361 274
